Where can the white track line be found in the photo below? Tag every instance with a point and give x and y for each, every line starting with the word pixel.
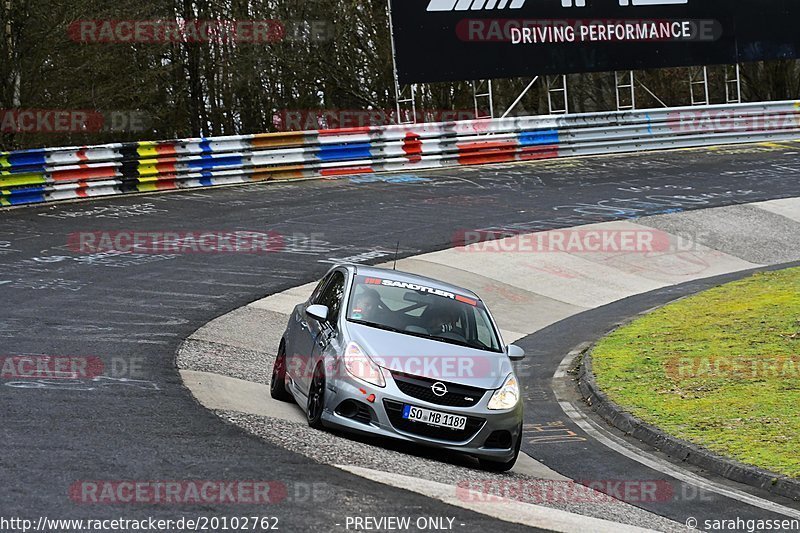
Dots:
pixel 628 450
pixel 501 508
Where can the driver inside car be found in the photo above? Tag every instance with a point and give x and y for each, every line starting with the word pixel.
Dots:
pixel 366 305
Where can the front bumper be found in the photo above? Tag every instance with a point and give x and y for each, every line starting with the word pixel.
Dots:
pixel 480 437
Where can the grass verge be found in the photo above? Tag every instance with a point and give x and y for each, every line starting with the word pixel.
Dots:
pixel 720 369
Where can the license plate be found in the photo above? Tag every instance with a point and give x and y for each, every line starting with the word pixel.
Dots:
pixel 445 420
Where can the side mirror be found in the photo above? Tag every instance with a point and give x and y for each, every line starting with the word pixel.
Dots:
pixel 317 312
pixel 515 353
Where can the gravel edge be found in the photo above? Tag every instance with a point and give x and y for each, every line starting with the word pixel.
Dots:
pixel 327 447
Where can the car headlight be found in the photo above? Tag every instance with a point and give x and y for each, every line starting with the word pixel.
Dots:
pixel 360 366
pixel 506 396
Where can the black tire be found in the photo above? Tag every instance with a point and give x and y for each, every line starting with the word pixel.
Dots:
pixel 316 398
pixel 277 385
pixel 494 466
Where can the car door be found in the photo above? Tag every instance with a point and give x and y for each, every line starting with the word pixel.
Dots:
pixel 319 333
pixel 298 339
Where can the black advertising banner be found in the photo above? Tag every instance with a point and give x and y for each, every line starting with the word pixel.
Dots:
pixel 451 40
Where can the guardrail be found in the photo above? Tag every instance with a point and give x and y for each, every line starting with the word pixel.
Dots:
pixel 53 174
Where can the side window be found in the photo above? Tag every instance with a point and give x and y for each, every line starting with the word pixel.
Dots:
pixel 315 296
pixel 332 296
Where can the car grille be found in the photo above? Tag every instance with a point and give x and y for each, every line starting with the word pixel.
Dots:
pixel 420 388
pixel 395 412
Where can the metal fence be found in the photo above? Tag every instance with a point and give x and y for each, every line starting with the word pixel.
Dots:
pixel 55 174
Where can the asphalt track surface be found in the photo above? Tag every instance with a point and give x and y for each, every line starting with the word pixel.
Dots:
pixel 134 310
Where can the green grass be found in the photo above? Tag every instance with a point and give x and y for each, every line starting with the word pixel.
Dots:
pixel 720 369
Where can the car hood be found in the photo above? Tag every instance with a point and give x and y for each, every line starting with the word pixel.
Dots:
pixel 432 359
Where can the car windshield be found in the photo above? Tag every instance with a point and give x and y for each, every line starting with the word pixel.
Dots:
pixel 421 311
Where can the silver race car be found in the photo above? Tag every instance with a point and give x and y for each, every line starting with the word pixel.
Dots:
pixel 403 356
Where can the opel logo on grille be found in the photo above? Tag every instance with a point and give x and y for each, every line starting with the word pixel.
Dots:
pixel 439 388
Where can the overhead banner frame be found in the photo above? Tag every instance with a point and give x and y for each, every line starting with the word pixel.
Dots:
pixel 462 40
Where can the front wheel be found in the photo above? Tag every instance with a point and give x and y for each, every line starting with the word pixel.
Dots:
pixel 277 386
pixel 316 398
pixel 494 466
